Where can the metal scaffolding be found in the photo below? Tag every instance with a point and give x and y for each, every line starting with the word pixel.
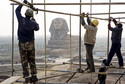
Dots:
pixel 70 15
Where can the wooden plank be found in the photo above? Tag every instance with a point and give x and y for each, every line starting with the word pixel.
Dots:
pixel 11 80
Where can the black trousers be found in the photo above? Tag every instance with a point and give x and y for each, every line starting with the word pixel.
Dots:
pixel 101 81
pixel 115 48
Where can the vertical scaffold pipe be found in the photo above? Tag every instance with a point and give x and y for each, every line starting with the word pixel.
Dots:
pixel 91 9
pixel 70 45
pixel 32 3
pixel 119 69
pixel 119 19
pixel 80 38
pixel 91 16
pixel 119 79
pixel 12 37
pixel 45 41
pixel 108 30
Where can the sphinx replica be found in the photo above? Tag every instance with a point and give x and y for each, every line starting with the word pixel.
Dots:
pixel 59 43
pixel 58 29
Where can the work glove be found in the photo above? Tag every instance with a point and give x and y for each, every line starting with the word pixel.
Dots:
pixel 25 1
pixel 115 22
pixel 82 15
pixel 88 20
pixel 109 26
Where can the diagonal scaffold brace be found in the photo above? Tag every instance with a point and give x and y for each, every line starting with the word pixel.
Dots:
pixel 36 9
pixel 29 5
pixel 20 3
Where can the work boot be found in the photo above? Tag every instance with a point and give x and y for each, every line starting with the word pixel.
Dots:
pixel 27 80
pixel 34 79
pixel 86 69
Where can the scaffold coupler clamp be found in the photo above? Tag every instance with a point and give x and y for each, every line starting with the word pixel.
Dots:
pixel 32 7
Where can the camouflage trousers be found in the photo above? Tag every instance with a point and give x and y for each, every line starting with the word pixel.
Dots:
pixel 27 55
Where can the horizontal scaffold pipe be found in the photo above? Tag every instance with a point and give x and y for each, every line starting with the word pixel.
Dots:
pixel 56 11
pixel 79 15
pixel 45 10
pixel 110 73
pixel 103 3
pixel 49 10
pixel 49 77
pixel 107 13
pixel 119 17
pixel 56 70
pixel 57 75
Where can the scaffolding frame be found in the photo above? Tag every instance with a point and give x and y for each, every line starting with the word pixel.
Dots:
pixel 80 4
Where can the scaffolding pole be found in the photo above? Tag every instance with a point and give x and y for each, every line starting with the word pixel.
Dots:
pixel 113 3
pixel 80 37
pixel 45 40
pixel 90 9
pixel 45 31
pixel 12 38
pixel 108 29
pixel 107 13
pixel 70 13
pixel 20 3
pixel 70 45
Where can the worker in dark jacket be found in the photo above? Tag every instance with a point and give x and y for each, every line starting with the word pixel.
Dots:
pixel 116 43
pixel 26 27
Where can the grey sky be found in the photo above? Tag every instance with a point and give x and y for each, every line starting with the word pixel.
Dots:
pixel 6 16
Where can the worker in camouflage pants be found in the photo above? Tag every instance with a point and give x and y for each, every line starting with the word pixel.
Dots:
pixel 27 54
pixel 26 27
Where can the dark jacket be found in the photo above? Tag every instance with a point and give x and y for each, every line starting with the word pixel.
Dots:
pixel 26 27
pixel 116 34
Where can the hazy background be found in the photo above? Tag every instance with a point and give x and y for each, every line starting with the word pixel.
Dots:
pixel 101 43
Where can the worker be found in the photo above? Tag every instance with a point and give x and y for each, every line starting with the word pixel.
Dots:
pixel 26 27
pixel 116 43
pixel 89 40
pixel 102 77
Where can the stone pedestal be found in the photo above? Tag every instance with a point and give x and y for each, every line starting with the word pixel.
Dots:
pixel 62 47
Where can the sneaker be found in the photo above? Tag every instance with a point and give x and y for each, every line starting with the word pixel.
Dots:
pixel 27 80
pixel 104 64
pixel 34 79
pixel 89 71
